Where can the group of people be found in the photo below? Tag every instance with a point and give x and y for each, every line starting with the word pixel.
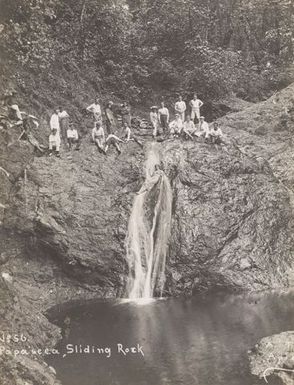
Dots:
pixel 14 116
pixel 189 126
pixel 62 130
pixel 103 142
pixel 103 138
pixel 107 132
pixel 11 116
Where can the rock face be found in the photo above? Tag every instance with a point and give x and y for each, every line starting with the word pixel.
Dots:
pixel 273 356
pixel 264 131
pixel 19 317
pixel 76 212
pixel 64 221
pixel 231 229
pixel 232 222
pixel 232 214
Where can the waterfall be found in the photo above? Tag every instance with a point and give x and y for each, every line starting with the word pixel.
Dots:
pixel 149 231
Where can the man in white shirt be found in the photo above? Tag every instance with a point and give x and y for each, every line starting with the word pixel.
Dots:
pixel 180 108
pixel 163 114
pixel 216 134
pixel 113 140
pixel 64 123
pixel 54 121
pixel 176 126
pixel 203 128
pixel 95 109
pixel 129 136
pixel 72 137
pixel 54 142
pixel 189 128
pixel 195 105
pixel 98 136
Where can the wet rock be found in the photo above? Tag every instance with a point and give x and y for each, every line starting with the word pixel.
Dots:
pixel 274 357
pixel 232 221
pixel 232 216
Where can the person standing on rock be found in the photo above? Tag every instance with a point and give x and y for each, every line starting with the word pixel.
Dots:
pixel 163 114
pixel 98 136
pixel 54 121
pixel 180 108
pixel 154 119
pixel 110 119
pixel 64 123
pixel 195 105
pixel 54 142
pixel 95 109
pixel 113 140
pixel 125 112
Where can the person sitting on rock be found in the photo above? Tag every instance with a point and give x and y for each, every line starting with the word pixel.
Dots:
pixel 125 112
pixel 95 109
pixel 113 140
pixel 130 136
pixel 98 136
pixel 176 126
pixel 54 142
pixel 72 137
pixel 151 180
pixel 203 129
pixel 188 128
pixel 28 122
pixel 216 134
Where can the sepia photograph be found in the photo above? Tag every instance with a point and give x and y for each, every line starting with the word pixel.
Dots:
pixel 146 192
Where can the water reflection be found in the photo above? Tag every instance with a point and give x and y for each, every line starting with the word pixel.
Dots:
pixel 185 341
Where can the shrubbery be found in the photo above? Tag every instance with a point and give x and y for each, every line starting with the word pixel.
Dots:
pixel 143 48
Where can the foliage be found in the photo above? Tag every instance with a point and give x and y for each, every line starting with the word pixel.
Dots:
pixel 141 48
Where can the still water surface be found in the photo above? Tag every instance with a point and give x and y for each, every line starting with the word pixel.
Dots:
pixel 184 341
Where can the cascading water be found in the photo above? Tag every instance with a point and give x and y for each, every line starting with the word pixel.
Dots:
pixel 148 235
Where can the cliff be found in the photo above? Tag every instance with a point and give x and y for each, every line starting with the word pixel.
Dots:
pixel 64 221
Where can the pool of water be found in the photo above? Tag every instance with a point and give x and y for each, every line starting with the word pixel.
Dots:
pixel 197 341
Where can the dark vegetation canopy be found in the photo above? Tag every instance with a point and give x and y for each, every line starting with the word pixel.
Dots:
pixel 140 49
